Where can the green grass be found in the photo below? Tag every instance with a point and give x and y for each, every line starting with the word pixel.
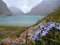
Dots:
pixel 6 31
pixel 53 37
pixel 12 28
pixel 54 15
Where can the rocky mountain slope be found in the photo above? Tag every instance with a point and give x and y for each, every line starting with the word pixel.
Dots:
pixel 45 7
pixel 3 9
pixel 15 10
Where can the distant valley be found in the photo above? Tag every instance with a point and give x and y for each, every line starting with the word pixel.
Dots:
pixel 43 8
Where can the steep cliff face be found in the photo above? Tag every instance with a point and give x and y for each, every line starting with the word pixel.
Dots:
pixel 3 9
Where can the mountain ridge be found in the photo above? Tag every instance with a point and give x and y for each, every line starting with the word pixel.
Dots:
pixel 15 10
pixel 4 9
pixel 44 8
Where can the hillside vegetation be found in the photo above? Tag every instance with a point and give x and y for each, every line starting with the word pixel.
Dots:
pixel 54 15
pixel 53 37
pixel 11 28
pixel 10 31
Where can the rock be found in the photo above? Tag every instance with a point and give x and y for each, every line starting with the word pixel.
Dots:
pixel 6 41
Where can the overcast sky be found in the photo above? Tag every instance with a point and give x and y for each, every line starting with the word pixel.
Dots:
pixel 24 5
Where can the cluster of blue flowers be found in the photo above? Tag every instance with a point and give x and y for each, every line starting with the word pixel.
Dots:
pixel 44 30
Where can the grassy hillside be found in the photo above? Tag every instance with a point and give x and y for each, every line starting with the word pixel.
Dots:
pixel 54 15
pixel 53 37
pixel 11 28
pixel 10 31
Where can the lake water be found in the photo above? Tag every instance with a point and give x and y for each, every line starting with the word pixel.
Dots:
pixel 22 20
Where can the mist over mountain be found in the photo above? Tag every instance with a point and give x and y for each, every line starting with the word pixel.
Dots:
pixel 45 7
pixel 15 10
pixel 3 9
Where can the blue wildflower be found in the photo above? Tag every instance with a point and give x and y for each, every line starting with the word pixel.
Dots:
pixel 43 28
pixel 51 24
pixel 44 33
pixel 57 24
pixel 36 36
pixel 47 29
pixel 58 27
pixel 38 32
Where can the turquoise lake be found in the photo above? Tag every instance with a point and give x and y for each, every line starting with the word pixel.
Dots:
pixel 22 20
